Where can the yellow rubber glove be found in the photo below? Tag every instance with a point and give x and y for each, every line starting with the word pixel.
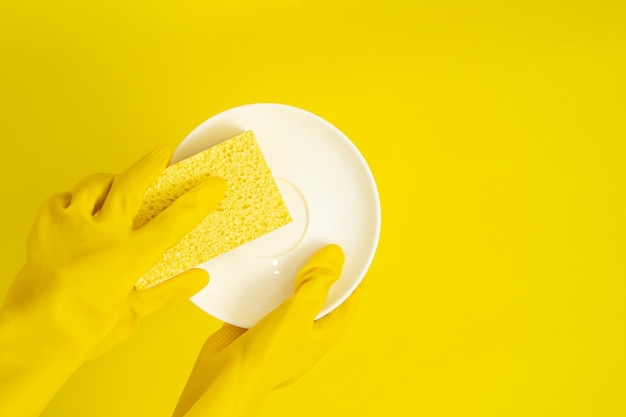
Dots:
pixel 74 298
pixel 237 368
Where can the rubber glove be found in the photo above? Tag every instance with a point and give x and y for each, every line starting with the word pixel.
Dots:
pixel 237 368
pixel 74 298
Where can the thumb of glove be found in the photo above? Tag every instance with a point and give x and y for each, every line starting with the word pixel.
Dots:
pixel 169 293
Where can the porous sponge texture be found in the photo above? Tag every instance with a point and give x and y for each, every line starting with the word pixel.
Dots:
pixel 252 207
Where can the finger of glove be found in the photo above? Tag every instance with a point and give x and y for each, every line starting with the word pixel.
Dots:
pixel 328 329
pixel 173 223
pixel 171 292
pixel 90 193
pixel 128 188
pixel 314 280
pixel 56 203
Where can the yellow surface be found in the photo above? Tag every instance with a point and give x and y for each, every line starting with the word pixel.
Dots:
pixel 497 135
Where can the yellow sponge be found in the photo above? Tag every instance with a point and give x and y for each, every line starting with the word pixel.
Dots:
pixel 252 207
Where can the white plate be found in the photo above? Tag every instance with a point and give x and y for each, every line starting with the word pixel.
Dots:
pixel 329 191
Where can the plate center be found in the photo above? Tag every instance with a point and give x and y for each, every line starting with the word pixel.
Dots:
pixel 282 240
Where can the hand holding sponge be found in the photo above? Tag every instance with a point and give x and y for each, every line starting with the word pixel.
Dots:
pixel 76 296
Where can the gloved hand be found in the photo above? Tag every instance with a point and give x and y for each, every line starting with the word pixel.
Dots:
pixel 237 368
pixel 74 298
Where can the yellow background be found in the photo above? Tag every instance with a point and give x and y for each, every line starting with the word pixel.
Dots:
pixel 495 132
